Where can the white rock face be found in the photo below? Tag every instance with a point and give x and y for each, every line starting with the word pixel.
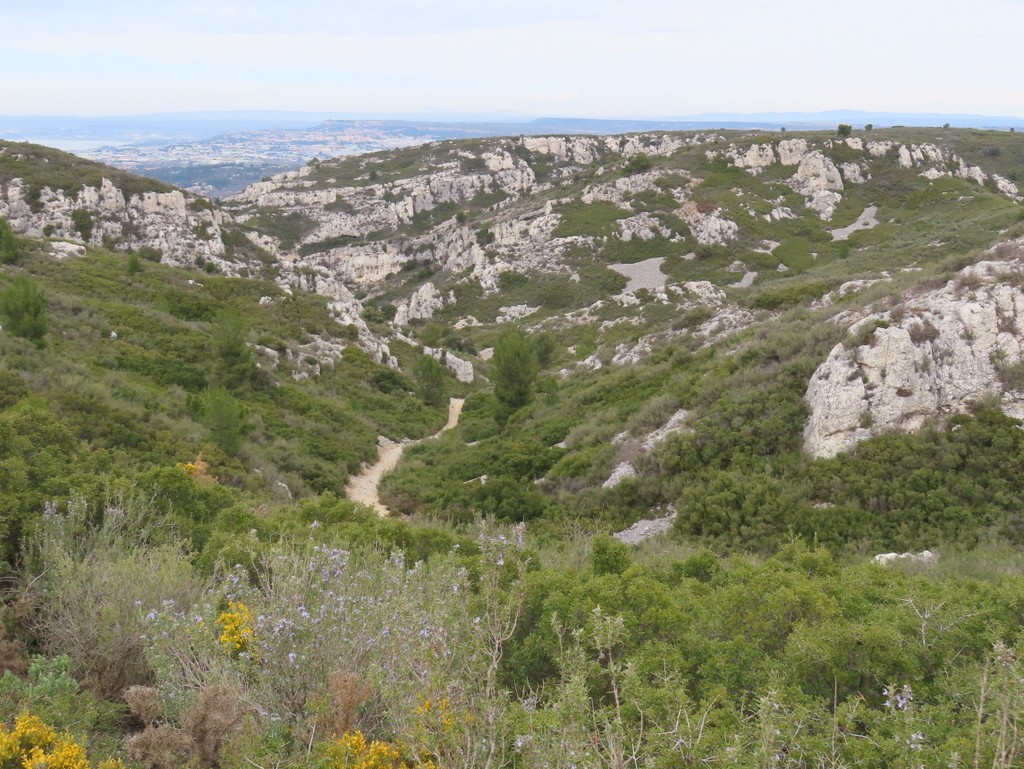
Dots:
pixel 705 291
pixel 515 312
pixel 462 369
pixel 709 229
pixel 792 151
pixel 422 305
pixel 623 471
pixel 853 173
pixel 618 190
pixel 944 353
pixel 925 556
pixel 647 528
pixel 755 159
pixel 676 423
pixel 1006 187
pixel 161 220
pixel 62 249
pixel 820 182
pixel 643 227
pixel 576 149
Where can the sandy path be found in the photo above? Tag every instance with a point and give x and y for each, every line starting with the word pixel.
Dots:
pixel 867 220
pixel 363 487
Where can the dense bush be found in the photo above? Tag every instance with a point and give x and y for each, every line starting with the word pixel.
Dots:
pixel 23 309
pixel 10 244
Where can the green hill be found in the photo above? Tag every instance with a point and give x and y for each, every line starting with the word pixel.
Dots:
pixel 186 389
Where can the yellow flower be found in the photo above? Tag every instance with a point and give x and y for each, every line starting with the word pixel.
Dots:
pixel 352 751
pixel 35 745
pixel 237 634
pixel 437 712
pixel 65 754
pixel 10 746
pixel 30 730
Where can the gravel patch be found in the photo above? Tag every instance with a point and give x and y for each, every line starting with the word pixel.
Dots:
pixel 646 274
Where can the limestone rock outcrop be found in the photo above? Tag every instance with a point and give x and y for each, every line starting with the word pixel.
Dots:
pixel 182 227
pixel 462 369
pixel 820 182
pixel 933 355
pixel 421 305
pixel 711 228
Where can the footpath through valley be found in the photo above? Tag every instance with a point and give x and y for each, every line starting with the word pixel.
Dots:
pixel 363 487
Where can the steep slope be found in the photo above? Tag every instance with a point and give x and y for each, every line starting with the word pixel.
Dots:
pixel 680 292
pixel 931 354
pixel 443 230
pixel 47 193
pixel 51 194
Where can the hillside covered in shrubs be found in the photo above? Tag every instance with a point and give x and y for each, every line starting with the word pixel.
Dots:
pixel 185 583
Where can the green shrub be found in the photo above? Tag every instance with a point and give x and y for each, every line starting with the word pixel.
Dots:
pixel 638 163
pixel 23 309
pixel 81 219
pixel 608 555
pixel 594 219
pixel 10 244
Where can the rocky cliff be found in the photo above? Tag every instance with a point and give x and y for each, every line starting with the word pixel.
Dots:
pixel 91 204
pixel 366 226
pixel 934 353
pixel 535 228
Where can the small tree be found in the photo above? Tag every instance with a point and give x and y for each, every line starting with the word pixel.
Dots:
pixel 844 129
pixel 869 126
pixel 544 346
pixel 23 309
pixel 82 220
pixel 234 367
pixel 514 370
pixel 226 419
pixel 10 246
pixel 430 378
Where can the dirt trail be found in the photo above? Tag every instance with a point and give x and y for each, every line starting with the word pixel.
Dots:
pixel 363 487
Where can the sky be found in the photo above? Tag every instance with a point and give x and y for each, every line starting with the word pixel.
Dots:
pixel 528 58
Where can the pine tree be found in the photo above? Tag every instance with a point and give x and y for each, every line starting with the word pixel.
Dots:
pixel 10 246
pixel 514 370
pixel 23 309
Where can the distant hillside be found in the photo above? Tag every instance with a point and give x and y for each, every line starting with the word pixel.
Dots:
pixel 696 274
pixel 737 477
pixel 680 292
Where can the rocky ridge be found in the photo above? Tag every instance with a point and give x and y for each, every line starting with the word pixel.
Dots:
pixel 521 239
pixel 182 227
pixel 822 181
pixel 463 214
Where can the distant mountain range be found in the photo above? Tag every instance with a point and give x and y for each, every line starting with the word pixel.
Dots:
pixel 195 126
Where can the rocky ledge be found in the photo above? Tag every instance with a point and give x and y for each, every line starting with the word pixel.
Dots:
pixel 935 353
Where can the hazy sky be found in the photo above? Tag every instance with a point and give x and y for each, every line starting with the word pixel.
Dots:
pixel 595 58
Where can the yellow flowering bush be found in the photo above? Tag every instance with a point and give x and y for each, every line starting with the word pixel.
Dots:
pixel 435 715
pixel 32 744
pixel 237 635
pixel 352 751
pixel 196 469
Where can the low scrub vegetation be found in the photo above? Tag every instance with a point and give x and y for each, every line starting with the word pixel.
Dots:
pixel 184 583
